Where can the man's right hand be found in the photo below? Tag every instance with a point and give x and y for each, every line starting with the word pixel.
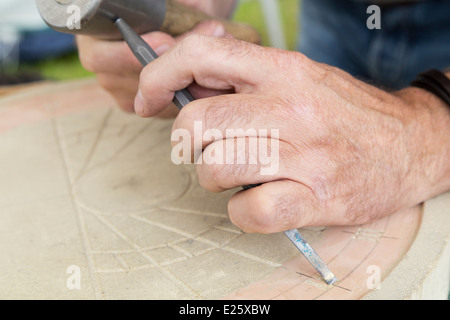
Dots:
pixel 118 70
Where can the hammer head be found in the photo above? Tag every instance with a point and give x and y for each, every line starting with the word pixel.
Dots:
pixel 95 17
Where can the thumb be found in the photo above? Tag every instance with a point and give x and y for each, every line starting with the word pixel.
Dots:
pixel 275 207
pixel 211 62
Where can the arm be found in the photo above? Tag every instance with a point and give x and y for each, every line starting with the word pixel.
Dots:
pixel 349 153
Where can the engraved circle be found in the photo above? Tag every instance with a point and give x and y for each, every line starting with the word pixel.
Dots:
pixel 132 187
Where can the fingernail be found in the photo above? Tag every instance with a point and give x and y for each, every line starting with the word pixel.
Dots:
pixel 219 31
pixel 162 49
pixel 139 103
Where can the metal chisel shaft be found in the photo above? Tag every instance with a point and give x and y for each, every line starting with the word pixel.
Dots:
pixel 307 251
pixel 145 54
pixel 311 256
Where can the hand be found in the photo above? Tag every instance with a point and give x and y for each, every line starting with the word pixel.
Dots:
pixel 118 70
pixel 349 153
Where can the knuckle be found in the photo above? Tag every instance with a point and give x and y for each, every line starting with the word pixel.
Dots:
pixel 232 113
pixel 144 85
pixel 297 58
pixel 258 218
pixel 206 179
pixel 105 82
pixel 282 211
pixel 285 210
pixel 124 104
pixel 225 175
pixel 192 42
pixel 233 174
pixel 187 117
pixel 194 47
pixel 147 85
pixel 87 53
pixel 87 60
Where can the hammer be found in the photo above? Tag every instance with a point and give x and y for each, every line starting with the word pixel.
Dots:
pixel 87 17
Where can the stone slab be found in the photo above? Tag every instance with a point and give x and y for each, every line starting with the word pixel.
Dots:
pixel 92 207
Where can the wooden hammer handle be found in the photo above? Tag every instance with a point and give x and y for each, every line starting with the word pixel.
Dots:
pixel 180 19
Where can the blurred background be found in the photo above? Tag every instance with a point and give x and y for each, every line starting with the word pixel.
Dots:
pixel 30 51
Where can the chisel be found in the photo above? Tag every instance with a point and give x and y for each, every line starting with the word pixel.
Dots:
pixel 306 249
pixel 145 54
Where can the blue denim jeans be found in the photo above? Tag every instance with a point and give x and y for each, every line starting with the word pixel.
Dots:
pixel 45 44
pixel 412 39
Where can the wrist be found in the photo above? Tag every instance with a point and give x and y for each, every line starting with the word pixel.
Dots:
pixel 430 130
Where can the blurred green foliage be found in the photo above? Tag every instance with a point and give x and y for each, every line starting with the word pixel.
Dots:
pixel 250 11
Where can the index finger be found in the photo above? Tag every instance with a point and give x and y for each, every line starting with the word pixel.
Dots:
pixel 211 62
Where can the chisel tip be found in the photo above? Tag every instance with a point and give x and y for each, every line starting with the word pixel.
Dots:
pixel 331 279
